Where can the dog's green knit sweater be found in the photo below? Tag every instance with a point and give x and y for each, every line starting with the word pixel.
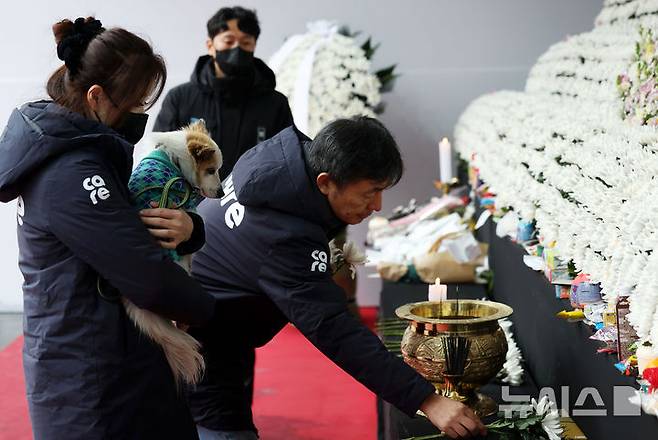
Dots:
pixel 157 179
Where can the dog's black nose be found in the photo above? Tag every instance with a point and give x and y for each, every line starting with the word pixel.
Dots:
pixel 220 193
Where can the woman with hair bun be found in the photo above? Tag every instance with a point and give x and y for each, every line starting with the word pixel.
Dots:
pixel 89 372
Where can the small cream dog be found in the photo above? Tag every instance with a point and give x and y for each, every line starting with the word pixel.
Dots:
pixel 181 170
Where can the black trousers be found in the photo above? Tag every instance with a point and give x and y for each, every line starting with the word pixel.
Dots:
pixel 222 400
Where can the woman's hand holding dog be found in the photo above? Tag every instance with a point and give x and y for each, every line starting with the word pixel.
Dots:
pixel 170 227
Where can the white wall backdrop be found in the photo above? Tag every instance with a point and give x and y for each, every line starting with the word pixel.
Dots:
pixel 448 52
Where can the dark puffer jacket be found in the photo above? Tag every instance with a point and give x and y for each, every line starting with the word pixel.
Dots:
pixel 90 374
pixel 266 259
pixel 238 115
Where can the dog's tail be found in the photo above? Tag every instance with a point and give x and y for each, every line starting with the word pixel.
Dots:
pixel 181 350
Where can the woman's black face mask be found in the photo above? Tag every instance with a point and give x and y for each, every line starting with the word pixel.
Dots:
pixel 132 125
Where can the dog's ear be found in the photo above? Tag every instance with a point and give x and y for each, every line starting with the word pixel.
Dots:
pixel 201 153
pixel 198 126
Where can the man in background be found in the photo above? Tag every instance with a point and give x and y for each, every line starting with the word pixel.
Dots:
pixel 230 89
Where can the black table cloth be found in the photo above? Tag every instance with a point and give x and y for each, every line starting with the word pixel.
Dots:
pixel 559 355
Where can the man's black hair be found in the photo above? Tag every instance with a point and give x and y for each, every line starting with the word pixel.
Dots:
pixel 355 149
pixel 247 21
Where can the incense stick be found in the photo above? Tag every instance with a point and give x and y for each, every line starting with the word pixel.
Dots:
pixel 456 353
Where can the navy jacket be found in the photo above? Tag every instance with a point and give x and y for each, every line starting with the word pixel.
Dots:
pixel 90 374
pixel 266 260
pixel 237 120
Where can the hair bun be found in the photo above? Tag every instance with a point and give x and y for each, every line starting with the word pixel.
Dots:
pixel 73 39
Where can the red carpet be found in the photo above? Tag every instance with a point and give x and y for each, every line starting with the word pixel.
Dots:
pixel 299 394
pixel 14 420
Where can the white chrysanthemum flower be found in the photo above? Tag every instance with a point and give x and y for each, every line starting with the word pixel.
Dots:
pixel 354 256
pixel 512 371
pixel 350 254
pixel 550 421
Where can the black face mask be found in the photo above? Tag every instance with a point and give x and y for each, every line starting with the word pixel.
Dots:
pixel 132 127
pixel 235 62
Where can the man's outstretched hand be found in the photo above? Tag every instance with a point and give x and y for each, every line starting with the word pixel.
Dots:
pixel 454 418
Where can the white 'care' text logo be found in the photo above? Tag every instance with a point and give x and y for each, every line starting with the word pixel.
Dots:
pixel 320 263
pixel 235 212
pixel 96 186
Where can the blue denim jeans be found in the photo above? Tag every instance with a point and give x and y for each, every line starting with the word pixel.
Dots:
pixel 208 434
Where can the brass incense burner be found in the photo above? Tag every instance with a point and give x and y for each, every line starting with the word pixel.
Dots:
pixel 431 327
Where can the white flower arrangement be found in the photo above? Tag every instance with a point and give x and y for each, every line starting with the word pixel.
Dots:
pixel 326 76
pixel 561 152
pixel 512 371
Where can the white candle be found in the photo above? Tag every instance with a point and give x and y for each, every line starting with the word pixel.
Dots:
pixel 438 291
pixel 445 160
